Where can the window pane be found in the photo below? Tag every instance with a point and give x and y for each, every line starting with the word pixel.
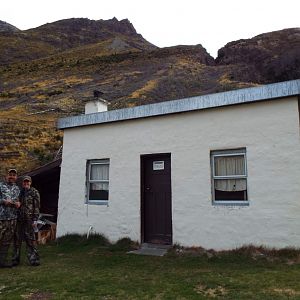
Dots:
pixel 229 165
pixel 99 172
pixel 228 196
pixel 98 191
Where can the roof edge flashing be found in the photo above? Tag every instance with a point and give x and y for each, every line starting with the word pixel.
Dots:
pixel 240 96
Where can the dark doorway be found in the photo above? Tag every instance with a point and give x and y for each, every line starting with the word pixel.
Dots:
pixel 46 180
pixel 156 199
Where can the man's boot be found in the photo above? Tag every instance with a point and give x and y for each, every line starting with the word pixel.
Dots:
pixel 33 257
pixel 16 258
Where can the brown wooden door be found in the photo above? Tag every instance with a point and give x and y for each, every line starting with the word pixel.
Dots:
pixel 156 199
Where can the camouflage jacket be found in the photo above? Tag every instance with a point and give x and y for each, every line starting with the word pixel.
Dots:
pixel 8 191
pixel 30 204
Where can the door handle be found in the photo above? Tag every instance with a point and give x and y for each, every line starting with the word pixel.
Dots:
pixel 148 188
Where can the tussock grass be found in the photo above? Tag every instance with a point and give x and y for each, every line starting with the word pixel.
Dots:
pixel 80 243
pixel 95 240
pixel 253 251
pixel 77 239
pixel 247 252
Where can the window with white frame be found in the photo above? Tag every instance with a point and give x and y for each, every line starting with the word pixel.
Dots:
pixel 229 176
pixel 97 181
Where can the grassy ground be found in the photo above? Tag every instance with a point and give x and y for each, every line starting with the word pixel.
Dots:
pixel 75 268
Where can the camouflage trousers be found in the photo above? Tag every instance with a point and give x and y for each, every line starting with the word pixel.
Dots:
pixel 24 232
pixel 7 230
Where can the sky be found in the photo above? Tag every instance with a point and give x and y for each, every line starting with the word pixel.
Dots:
pixel 164 23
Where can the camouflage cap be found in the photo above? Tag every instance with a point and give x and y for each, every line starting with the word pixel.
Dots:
pixel 12 171
pixel 27 178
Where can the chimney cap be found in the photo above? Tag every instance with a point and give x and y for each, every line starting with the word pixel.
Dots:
pixel 101 100
pixel 97 93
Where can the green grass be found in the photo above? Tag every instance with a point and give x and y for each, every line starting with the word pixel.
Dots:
pixel 76 268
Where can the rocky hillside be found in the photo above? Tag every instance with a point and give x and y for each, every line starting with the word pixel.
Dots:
pixel 269 57
pixel 5 27
pixel 50 71
pixel 53 38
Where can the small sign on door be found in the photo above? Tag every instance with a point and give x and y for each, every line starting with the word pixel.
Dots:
pixel 158 165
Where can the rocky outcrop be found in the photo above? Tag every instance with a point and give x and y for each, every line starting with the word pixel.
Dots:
pixel 124 26
pixel 270 57
pixel 197 53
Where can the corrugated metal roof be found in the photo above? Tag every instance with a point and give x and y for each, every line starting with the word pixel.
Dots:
pixel 254 94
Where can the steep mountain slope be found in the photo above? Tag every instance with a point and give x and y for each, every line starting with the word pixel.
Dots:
pixel 53 38
pixel 268 57
pixel 81 56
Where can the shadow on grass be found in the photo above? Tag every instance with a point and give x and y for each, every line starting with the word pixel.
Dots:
pixel 124 244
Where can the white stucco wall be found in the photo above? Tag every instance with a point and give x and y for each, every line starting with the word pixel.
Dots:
pixel 268 130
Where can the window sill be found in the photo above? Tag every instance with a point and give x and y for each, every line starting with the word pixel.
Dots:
pixel 230 203
pixel 97 202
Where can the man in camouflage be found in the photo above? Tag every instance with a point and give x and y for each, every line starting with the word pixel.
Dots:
pixel 9 204
pixel 27 222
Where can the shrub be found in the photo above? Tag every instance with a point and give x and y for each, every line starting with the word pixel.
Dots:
pixel 71 241
pixel 78 241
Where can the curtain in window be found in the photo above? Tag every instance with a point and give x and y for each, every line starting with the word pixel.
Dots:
pixel 99 172
pixel 99 186
pixel 230 185
pixel 230 166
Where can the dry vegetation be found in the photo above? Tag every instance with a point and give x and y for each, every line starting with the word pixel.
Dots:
pixel 59 88
pixel 59 66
